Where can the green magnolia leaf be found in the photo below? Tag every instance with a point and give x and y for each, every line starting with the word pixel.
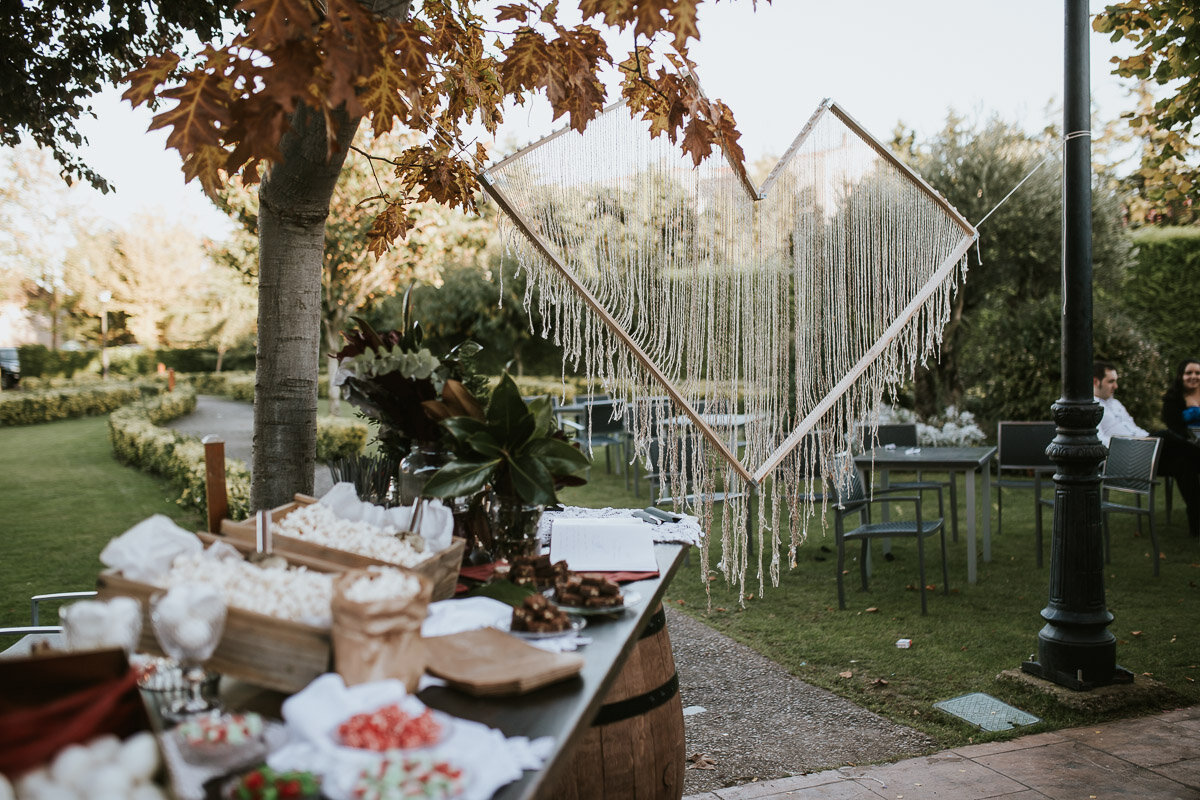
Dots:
pixel 461 478
pixel 485 444
pixel 463 428
pixel 510 417
pixel 558 457
pixel 531 481
pixel 466 349
pixel 543 414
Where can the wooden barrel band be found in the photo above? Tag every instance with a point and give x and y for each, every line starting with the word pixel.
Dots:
pixel 637 705
pixel 657 622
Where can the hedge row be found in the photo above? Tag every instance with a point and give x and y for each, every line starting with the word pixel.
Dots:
pixel 139 440
pixel 39 361
pixel 68 402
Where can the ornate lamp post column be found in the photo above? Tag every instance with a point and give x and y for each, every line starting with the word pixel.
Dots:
pixel 1075 648
pixel 105 296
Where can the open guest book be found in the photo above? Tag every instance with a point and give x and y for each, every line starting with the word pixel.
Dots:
pixel 611 544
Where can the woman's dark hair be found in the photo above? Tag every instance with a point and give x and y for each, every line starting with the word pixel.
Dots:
pixel 1177 384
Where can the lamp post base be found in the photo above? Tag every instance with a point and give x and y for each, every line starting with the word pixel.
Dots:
pixel 1077 665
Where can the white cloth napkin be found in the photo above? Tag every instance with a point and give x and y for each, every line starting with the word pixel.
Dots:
pixel 145 552
pixel 487 757
pixel 436 521
pixel 686 531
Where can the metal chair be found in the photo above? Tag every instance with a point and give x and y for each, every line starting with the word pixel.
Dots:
pixel 904 434
pixel 601 430
pixel 852 498
pixel 1021 449
pixel 1130 468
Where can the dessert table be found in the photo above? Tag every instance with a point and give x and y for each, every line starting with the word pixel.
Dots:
pixel 564 710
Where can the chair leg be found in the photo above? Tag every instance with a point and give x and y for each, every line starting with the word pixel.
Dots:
pixel 999 509
pixel 862 562
pixel 921 567
pixel 954 506
pixel 1153 541
pixel 945 569
pixel 1137 498
pixel 1037 528
pixel 841 565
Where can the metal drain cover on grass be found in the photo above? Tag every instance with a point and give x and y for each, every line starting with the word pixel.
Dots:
pixel 986 711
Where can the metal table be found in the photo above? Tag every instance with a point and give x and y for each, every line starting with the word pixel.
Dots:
pixel 970 461
pixel 563 711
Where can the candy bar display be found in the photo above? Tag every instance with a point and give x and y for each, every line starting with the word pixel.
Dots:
pixel 537 571
pixel 390 728
pixel 405 777
pixel 538 615
pixel 317 524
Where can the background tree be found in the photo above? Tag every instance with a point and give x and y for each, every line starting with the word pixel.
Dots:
pixel 1020 244
pixel 157 273
pixel 289 90
pixel 57 54
pixel 1166 42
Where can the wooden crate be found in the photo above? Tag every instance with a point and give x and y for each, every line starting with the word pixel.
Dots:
pixel 440 568
pixel 265 651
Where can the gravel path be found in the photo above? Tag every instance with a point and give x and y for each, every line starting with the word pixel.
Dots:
pixel 759 721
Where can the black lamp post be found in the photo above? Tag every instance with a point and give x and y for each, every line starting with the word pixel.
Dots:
pixel 1075 648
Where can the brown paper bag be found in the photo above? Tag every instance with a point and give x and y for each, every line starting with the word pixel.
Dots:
pixel 381 638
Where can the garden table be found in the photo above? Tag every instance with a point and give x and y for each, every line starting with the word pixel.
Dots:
pixel 972 462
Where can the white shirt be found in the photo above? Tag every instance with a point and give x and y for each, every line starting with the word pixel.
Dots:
pixel 1116 421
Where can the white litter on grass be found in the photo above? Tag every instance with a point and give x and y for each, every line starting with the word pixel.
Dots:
pixel 693 710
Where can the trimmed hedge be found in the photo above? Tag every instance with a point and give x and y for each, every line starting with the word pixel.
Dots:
pixel 139 441
pixel 68 402
pixel 1162 293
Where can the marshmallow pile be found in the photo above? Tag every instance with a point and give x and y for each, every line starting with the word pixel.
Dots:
pixel 293 594
pixel 104 769
pixel 316 523
pixel 383 584
pixel 97 624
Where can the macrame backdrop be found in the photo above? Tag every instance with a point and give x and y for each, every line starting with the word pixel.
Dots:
pixel 691 296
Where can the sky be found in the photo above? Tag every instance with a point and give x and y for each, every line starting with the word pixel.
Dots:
pixel 883 61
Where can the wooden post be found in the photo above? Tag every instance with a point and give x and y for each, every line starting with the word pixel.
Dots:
pixel 171 380
pixel 216 496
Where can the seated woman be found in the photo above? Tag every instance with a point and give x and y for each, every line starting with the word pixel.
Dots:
pixel 1181 403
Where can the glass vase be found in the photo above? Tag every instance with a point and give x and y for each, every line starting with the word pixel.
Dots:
pixel 514 528
pixel 415 469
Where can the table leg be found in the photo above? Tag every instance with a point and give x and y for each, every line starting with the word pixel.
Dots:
pixel 986 473
pixel 969 482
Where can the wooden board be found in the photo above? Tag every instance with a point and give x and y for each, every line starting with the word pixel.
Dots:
pixel 265 651
pixel 490 663
pixel 440 568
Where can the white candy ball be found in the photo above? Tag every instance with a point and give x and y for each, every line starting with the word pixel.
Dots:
pixel 6 789
pixel 104 748
pixel 71 763
pixel 111 779
pixel 139 756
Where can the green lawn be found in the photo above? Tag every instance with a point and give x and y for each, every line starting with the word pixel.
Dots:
pixel 66 497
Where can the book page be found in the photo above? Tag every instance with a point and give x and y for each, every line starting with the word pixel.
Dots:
pixel 603 545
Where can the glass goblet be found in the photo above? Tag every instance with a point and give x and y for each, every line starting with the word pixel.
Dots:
pixel 188 620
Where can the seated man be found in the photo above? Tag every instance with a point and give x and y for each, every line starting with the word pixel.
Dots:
pixel 1177 458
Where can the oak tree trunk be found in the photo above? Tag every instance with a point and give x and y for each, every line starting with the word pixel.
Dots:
pixel 293 205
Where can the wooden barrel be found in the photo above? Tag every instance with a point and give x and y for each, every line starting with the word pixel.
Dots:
pixel 635 748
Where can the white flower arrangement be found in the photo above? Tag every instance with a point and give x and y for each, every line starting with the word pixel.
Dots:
pixel 951 428
pixel 372 363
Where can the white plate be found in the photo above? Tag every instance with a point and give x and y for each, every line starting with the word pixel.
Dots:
pixel 577 624
pixel 628 600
